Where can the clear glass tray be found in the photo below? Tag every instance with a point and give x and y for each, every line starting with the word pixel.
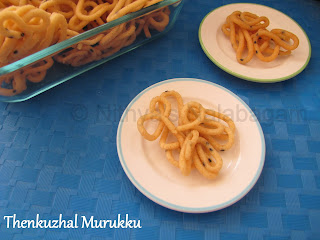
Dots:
pixel 59 72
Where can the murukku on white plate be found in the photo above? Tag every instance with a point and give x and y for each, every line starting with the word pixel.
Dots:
pixel 198 134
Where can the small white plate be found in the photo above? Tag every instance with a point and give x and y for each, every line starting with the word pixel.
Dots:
pixel 146 166
pixel 219 50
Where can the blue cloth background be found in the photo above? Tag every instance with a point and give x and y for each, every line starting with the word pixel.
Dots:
pixel 58 150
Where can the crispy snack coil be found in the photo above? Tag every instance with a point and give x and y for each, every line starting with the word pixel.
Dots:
pixel 248 34
pixel 198 134
pixel 28 26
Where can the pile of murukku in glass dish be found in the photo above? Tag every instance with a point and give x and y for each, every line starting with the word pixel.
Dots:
pixel 28 26
pixel 200 133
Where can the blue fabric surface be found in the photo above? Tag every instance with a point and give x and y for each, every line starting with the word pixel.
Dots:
pixel 58 150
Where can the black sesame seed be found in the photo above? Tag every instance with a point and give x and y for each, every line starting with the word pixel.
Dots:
pixel 15 51
pixel 166 91
pixel 211 149
pixel 241 59
pixel 10 37
pixel 45 61
pixel 260 37
pixel 283 32
pixel 272 39
pixel 256 51
pixel 22 34
pixel 204 164
pixel 255 42
pixel 222 150
pixel 209 160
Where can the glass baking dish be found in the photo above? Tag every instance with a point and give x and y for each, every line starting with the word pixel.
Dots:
pixel 62 62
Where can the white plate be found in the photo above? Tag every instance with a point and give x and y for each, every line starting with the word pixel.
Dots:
pixel 218 47
pixel 146 166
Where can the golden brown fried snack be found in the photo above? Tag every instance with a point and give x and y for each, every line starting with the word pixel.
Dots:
pixel 198 133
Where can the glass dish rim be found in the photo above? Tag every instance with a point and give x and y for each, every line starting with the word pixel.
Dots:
pixel 54 49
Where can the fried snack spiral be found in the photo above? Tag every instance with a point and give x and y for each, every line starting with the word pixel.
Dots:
pixel 248 34
pixel 18 80
pixel 198 134
pixel 28 26
pixel 25 30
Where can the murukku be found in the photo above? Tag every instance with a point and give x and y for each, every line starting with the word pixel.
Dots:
pixel 273 35
pixel 163 141
pixel 157 20
pixel 178 99
pixel 209 157
pixel 190 106
pixel 235 17
pixel 28 26
pixel 64 7
pixel 164 109
pixel 124 7
pixel 197 134
pixel 110 42
pixel 186 153
pixel 259 52
pixel 18 80
pixel 248 34
pixel 245 41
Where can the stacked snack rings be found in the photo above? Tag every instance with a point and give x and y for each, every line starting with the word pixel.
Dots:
pixel 247 32
pixel 17 80
pixel 111 41
pixel 198 134
pixel 28 26
pixel 25 30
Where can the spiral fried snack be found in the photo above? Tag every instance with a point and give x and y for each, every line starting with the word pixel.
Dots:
pixel 28 26
pixel 111 41
pixel 23 31
pixel 198 134
pixel 247 33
